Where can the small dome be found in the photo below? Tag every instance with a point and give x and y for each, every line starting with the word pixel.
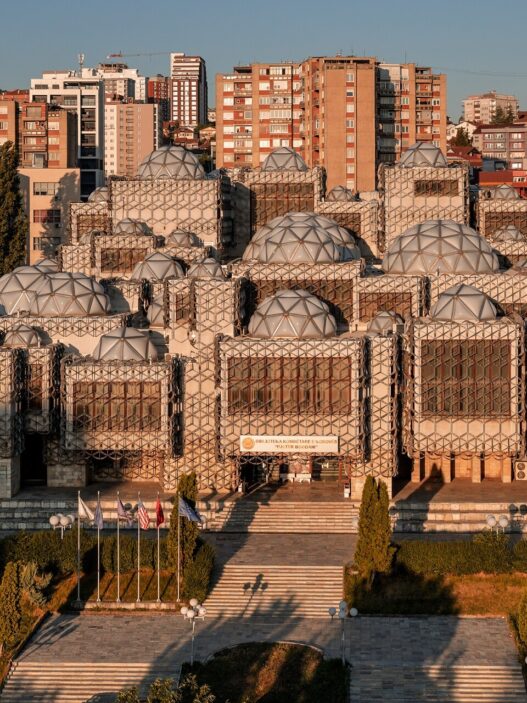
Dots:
pixel 125 344
pixel 519 266
pixel 340 194
pixel 423 154
pixel 284 159
pixel 171 162
pixel 292 313
pixel 504 192
pixel 301 237
pixel 69 295
pixel 21 336
pixel 156 267
pixel 183 238
pixel 385 322
pixel 508 234
pixel 156 313
pixel 47 266
pixel 206 268
pixel 463 302
pixel 99 195
pixel 18 288
pixel 131 226
pixel 440 246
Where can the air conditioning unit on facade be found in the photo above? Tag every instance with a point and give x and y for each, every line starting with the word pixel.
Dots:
pixel 520 470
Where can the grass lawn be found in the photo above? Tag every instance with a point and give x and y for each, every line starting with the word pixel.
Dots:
pixel 405 593
pixel 128 587
pixel 273 673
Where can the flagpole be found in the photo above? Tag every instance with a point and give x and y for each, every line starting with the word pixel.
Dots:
pixel 78 549
pixel 158 560
pixel 138 552
pixel 178 544
pixel 118 599
pixel 98 550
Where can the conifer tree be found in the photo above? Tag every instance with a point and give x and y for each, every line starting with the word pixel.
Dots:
pixel 382 533
pixel 374 553
pixel 187 489
pixel 10 609
pixel 13 221
pixel 363 552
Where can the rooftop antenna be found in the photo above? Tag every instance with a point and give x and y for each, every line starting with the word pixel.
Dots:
pixel 81 58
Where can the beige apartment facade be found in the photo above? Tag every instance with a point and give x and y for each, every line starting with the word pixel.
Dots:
pixel 481 109
pixel 345 113
pixel 131 132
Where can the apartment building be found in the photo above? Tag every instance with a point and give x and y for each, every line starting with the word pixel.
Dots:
pixel 83 96
pixel 131 132
pixel 158 93
pixel 188 89
pixel 345 113
pixel 120 81
pixel 508 142
pixel 8 120
pixel 482 108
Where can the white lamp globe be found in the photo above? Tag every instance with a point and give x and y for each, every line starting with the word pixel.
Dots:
pixel 191 614
pixel 64 521
pixel 343 605
pixel 332 612
pixel 193 602
pixel 184 610
pixel 491 520
pixel 342 614
pixel 54 520
pixel 354 612
pixel 71 519
pixel 504 521
pixel 202 611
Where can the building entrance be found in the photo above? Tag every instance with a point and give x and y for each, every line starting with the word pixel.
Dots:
pixel 33 467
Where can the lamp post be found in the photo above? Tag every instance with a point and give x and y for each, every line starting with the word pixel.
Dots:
pixel 194 612
pixel 495 523
pixel 61 522
pixel 343 612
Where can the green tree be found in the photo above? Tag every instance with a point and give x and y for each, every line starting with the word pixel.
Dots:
pixel 13 221
pixel 374 552
pixel 187 489
pixel 128 695
pixel 163 691
pixel 521 620
pixel 502 117
pixel 10 608
pixel 34 584
pixel 462 138
pixel 510 116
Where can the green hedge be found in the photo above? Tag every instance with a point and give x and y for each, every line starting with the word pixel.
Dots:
pixel 198 573
pixel 488 552
pixel 48 550
pixel 128 552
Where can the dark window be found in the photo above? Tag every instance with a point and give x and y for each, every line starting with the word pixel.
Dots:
pixel 370 303
pixel 87 223
pixel 449 187
pixel 122 406
pixel 290 386
pixel 496 220
pixel 121 259
pixel 466 378
pixel 269 200
pixel 46 216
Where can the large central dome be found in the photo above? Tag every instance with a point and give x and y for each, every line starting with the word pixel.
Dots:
pixel 292 313
pixel 284 159
pixel 440 246
pixel 171 162
pixel 423 154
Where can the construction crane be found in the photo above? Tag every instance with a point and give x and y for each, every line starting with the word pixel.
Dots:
pixel 120 54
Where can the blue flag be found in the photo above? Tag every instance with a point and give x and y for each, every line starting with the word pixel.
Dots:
pixel 98 520
pixel 186 510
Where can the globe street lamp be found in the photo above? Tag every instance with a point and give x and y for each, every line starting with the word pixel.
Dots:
pixel 495 523
pixel 194 612
pixel 62 522
pixel 343 613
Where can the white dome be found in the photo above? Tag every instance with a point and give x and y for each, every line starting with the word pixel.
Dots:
pixel 300 237
pixel 423 154
pixel 171 162
pixel 131 226
pixel 183 238
pixel 69 295
pixel 463 302
pixel 504 192
pixel 508 234
pixel 284 159
pixel 21 336
pixel 18 288
pixel 206 268
pixel 341 194
pixel 385 322
pixel 156 313
pixel 125 344
pixel 47 266
pixel 99 195
pixel 440 246
pixel 156 267
pixel 292 313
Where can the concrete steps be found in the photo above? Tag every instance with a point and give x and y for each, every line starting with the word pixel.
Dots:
pixel 63 682
pixel 441 684
pixel 292 591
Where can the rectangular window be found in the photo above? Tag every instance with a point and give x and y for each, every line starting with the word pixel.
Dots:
pixel 467 378
pixel 371 303
pixel 46 244
pixel 121 259
pixel 117 406
pixel 45 188
pixel 46 216
pixel 426 188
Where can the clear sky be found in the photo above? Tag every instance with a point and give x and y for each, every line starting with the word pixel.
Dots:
pixel 473 37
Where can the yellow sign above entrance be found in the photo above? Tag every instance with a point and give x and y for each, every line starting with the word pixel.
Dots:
pixel 289 444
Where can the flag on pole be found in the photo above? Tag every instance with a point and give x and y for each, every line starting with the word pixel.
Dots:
pixel 186 510
pixel 123 513
pixel 83 511
pixel 98 519
pixel 160 515
pixel 142 516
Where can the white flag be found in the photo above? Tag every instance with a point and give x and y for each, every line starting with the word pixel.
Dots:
pixel 84 512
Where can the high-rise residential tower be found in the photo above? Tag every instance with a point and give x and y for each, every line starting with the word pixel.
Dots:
pixel 188 93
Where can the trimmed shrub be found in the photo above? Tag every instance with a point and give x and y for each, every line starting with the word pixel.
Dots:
pixel 198 573
pixel 10 607
pixel 374 553
pixel 187 489
pixel 48 551
pixel 520 555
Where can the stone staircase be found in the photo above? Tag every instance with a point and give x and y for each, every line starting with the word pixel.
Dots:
pixel 60 682
pixel 283 591
pixel 440 684
pixel 341 517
